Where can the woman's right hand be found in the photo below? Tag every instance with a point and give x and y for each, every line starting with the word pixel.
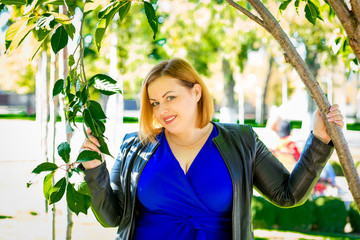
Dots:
pixel 91 143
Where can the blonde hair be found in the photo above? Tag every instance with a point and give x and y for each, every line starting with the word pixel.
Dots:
pixel 183 71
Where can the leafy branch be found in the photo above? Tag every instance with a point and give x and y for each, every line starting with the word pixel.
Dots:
pixel 48 26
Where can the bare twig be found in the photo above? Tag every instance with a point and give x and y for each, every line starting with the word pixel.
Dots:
pixel 246 12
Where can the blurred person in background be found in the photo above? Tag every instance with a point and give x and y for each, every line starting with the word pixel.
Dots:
pixel 285 144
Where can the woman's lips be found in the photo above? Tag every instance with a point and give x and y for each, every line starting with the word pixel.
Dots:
pixel 170 119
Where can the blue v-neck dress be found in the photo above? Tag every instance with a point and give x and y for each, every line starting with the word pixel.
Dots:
pixel 178 206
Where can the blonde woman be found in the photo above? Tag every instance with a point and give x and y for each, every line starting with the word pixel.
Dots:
pixel 183 176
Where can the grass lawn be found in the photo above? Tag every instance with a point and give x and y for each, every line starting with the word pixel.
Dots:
pixel 262 234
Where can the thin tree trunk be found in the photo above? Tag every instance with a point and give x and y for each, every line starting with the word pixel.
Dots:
pixel 241 95
pixel 115 104
pixel 52 126
pixel 292 56
pixel 263 103
pixel 229 84
pixel 42 107
pixel 63 72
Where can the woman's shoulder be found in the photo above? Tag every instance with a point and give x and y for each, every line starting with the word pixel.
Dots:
pixel 234 128
pixel 130 139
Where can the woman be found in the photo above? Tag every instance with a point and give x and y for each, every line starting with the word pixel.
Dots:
pixel 185 177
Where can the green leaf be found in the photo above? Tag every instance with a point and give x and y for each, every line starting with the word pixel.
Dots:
pixel 70 30
pixel 337 40
pixel 68 85
pixel 345 44
pixel 99 32
pixel 284 5
pixel 100 126
pixel 14 2
pixel 64 151
pixel 96 110
pixel 59 39
pixel 41 34
pixel 21 34
pixel 88 155
pixel 310 13
pixel 48 185
pixel 2 7
pixel 91 5
pixel 58 87
pixel 106 15
pixel 124 9
pixel 105 10
pixel 103 147
pixel 105 84
pixel 90 122
pixel 76 201
pixel 13 29
pixel 84 189
pixel 151 17
pixel 44 167
pixel 71 60
pixel 84 95
pixel 297 3
pixel 57 192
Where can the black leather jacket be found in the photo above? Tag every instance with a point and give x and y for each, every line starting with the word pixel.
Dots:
pixel 248 160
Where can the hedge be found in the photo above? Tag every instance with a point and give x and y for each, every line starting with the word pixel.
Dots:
pixel 298 218
pixel 325 214
pixel 354 217
pixel 263 213
pixel 330 214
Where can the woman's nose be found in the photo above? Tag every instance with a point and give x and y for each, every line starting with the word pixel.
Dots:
pixel 163 109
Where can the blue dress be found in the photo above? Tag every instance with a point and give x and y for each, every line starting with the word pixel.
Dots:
pixel 178 206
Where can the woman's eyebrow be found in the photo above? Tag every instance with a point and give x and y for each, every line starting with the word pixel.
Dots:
pixel 162 95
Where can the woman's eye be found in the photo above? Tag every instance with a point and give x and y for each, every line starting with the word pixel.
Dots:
pixel 154 104
pixel 169 98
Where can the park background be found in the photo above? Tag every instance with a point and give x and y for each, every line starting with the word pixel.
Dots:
pixel 242 65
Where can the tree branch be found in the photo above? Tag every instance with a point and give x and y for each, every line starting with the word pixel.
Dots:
pixel 350 21
pixel 246 12
pixel 335 132
pixel 355 8
pixel 343 13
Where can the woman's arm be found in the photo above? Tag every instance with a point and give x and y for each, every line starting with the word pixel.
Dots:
pixel 275 182
pixel 285 189
pixel 107 194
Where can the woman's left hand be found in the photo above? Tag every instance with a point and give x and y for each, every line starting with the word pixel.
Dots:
pixel 319 124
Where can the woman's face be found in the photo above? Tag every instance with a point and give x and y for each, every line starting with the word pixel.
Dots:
pixel 174 105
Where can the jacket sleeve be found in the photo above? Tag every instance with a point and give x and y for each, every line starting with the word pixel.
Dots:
pixel 280 187
pixel 107 200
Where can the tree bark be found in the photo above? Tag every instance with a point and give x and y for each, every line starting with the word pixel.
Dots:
pixel 293 57
pixel 350 20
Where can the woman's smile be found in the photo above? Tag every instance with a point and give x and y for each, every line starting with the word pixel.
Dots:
pixel 169 119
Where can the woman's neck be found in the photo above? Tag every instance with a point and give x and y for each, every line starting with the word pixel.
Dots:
pixel 191 137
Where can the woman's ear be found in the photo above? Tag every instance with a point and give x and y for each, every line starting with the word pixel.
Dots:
pixel 197 91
